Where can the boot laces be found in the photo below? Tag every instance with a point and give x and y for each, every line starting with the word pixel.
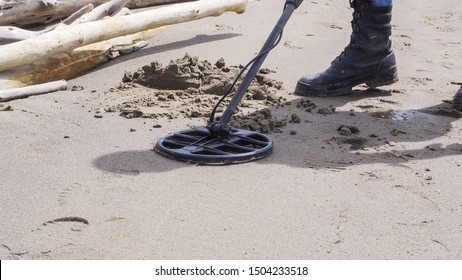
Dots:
pixel 354 38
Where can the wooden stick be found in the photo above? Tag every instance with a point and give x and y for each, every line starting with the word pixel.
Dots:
pixel 71 37
pixel 107 9
pixel 81 12
pixel 17 93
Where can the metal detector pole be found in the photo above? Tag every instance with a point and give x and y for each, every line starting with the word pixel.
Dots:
pixel 220 127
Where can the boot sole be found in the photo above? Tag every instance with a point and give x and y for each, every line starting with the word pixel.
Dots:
pixel 383 78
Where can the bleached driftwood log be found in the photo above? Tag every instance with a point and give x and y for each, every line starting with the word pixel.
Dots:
pixel 79 61
pixel 16 93
pixel 11 34
pixel 27 12
pixel 71 37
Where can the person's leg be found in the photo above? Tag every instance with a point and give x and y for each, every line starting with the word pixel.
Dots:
pixel 368 59
pixel 382 3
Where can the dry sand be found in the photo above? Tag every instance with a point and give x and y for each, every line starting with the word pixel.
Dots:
pixel 373 175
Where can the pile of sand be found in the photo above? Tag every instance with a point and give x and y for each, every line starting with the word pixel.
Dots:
pixel 190 88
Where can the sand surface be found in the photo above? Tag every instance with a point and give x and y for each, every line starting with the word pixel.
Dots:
pixel 374 175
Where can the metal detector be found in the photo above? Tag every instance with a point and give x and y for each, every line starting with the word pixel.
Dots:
pixel 217 143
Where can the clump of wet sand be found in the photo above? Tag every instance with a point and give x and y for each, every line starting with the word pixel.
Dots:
pixel 261 120
pixel 5 109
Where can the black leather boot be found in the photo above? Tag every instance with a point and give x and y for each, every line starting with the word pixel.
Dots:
pixel 368 59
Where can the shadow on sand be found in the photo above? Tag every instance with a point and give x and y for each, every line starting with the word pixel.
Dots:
pixel 393 137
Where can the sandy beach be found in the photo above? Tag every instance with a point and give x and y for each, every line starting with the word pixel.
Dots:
pixel 80 180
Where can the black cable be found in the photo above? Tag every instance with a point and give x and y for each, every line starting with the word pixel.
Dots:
pixel 212 114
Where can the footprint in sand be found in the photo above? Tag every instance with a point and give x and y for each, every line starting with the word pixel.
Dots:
pixel 73 223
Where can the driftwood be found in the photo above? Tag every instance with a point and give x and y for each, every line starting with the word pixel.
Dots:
pixel 29 12
pixel 16 93
pixel 75 16
pixel 79 61
pixel 11 34
pixel 85 40
pixel 67 38
pixel 107 9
